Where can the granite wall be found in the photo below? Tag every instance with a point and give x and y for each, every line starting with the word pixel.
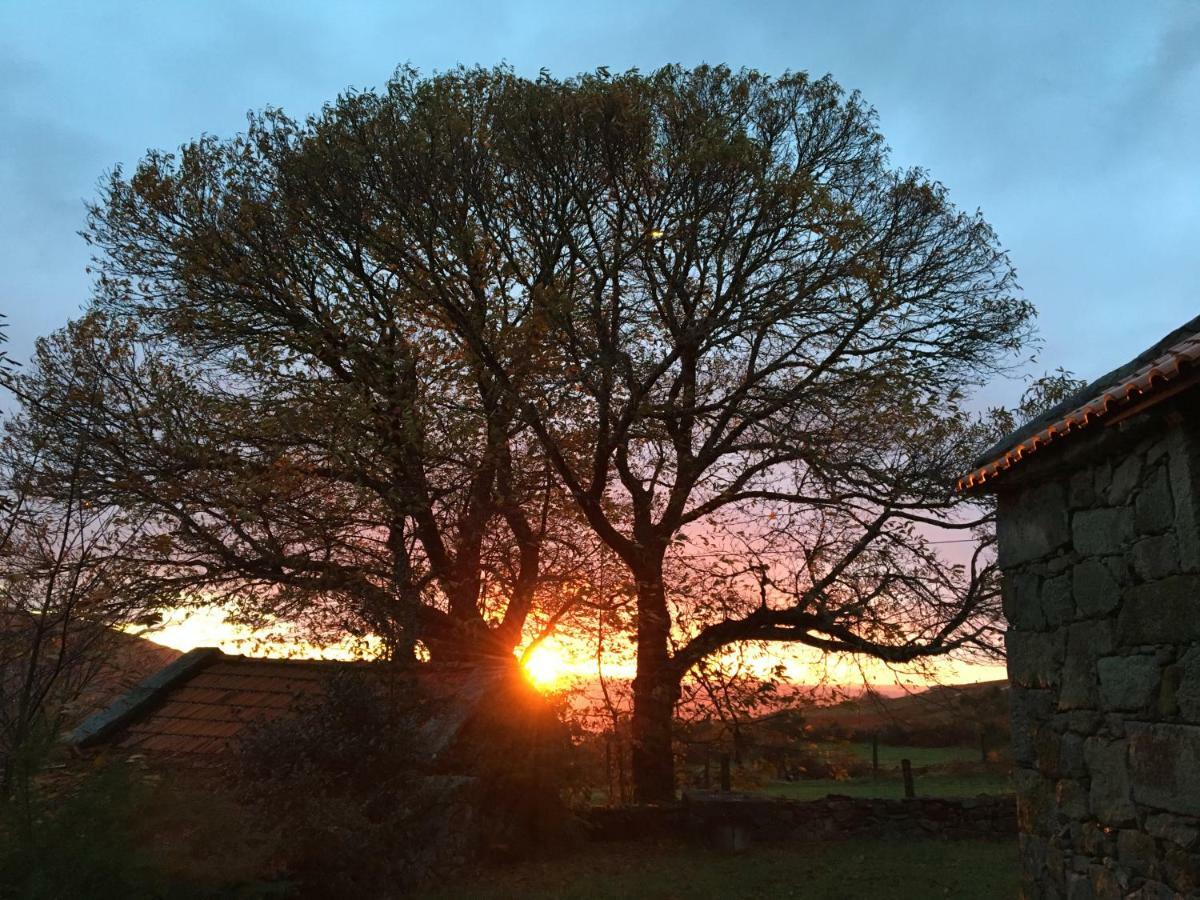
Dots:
pixel 734 820
pixel 1100 549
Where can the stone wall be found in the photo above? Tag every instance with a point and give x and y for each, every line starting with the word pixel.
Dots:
pixel 1101 554
pixel 732 820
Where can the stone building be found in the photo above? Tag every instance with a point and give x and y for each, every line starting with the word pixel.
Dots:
pixel 204 703
pixel 1099 542
pixel 373 774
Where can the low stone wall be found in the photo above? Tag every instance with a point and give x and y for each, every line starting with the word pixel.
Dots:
pixel 732 820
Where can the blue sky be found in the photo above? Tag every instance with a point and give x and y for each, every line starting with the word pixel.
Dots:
pixel 1074 126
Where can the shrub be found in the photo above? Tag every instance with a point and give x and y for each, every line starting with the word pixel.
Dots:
pixel 837 764
pixel 76 841
pixel 362 803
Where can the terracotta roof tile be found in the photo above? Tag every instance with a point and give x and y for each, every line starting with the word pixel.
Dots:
pixel 179 727
pixel 163 743
pixel 202 714
pixel 217 682
pixel 213 745
pixel 205 709
pixel 1156 371
pixel 173 709
pixel 208 711
pixel 190 694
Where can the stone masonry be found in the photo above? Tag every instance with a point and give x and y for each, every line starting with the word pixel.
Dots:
pixel 1100 548
pixel 709 816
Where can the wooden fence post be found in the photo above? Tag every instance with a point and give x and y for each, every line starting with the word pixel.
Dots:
pixel 906 769
pixel 608 768
pixel 725 779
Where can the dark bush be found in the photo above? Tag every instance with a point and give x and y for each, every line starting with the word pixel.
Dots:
pixel 76 840
pixel 364 802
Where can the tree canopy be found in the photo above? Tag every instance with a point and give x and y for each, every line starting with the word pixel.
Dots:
pixel 691 319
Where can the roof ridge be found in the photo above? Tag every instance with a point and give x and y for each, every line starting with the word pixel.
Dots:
pixel 1146 373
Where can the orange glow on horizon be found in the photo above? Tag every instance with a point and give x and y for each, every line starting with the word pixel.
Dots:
pixel 558 662
pixel 186 629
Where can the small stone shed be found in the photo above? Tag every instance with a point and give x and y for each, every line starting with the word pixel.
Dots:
pixel 200 705
pixel 467 778
pixel 1099 543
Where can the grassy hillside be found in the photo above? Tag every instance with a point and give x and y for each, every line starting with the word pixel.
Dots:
pixel 955 712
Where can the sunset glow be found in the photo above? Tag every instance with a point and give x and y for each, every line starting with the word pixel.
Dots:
pixel 548 665
pixel 557 662
pixel 209 627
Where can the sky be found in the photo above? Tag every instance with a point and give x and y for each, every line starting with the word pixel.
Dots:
pixel 1073 126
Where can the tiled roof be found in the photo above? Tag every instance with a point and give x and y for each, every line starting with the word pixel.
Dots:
pixel 205 701
pixel 1171 364
pixel 216 704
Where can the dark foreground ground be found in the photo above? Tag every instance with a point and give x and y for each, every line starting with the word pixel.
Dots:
pixel 898 870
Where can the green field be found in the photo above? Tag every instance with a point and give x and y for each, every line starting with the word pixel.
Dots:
pixel 937 772
pixel 926 784
pixel 889 757
pixel 898 870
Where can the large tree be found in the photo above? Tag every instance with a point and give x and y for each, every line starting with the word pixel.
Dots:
pixel 704 295
pixel 324 460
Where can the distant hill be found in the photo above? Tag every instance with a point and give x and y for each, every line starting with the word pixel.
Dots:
pixel 938 709
pixel 864 709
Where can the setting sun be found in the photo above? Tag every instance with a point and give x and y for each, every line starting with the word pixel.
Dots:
pixel 546 665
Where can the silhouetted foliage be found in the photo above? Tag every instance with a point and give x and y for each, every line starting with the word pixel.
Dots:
pixel 67 583
pixel 362 799
pixel 78 842
pixel 699 304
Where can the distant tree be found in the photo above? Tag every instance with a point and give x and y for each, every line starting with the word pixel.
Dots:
pixel 66 586
pixel 739 339
pixel 7 364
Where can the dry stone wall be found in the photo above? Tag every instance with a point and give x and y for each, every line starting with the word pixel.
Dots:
pixel 733 820
pixel 1101 555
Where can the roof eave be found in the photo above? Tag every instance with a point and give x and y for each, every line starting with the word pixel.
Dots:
pixel 1170 366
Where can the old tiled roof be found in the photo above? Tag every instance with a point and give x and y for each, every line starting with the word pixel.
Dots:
pixel 218 702
pixel 202 703
pixel 1171 364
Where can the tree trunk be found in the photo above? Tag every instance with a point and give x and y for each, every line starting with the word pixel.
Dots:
pixel 7 777
pixel 653 758
pixel 655 693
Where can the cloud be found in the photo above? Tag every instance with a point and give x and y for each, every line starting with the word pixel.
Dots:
pixel 47 168
pixel 1073 125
